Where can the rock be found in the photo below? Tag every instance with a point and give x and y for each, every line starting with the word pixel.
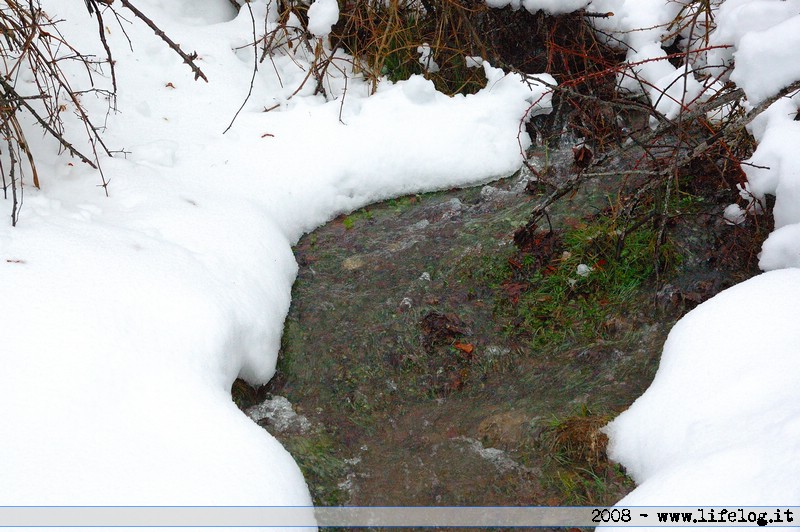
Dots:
pixel 278 413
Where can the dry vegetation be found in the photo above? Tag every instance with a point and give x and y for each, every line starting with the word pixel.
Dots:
pixel 381 40
pixel 34 87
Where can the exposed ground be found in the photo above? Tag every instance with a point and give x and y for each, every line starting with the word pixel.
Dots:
pixel 429 360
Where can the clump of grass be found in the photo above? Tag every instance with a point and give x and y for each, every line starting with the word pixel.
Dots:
pixel 577 469
pixel 568 284
pixel 577 439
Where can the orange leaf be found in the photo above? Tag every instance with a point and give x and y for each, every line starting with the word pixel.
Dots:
pixel 467 348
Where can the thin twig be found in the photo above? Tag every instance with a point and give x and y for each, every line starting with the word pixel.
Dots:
pixel 255 70
pixel 42 122
pixel 187 58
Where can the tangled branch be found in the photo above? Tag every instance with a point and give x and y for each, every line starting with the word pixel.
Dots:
pixel 33 48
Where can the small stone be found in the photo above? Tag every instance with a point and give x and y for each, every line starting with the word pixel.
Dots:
pixel 422 224
pixel 497 457
pixel 452 209
pixel 488 192
pixel 506 429
pixel 425 277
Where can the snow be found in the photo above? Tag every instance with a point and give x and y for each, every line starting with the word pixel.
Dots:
pixel 322 14
pixel 129 316
pixel 720 424
pixel 426 58
pixel 552 7
pixel 734 214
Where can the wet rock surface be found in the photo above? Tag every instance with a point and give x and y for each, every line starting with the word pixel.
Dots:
pixel 410 388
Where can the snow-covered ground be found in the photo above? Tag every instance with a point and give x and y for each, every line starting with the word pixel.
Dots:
pixel 126 318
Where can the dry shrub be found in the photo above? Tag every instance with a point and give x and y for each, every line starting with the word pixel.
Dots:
pixel 386 37
pixel 32 47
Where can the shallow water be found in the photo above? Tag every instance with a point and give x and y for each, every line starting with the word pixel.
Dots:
pixel 415 393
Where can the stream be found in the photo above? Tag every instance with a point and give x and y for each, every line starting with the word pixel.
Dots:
pixel 402 380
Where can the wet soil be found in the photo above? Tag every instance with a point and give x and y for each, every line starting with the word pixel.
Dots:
pixel 406 387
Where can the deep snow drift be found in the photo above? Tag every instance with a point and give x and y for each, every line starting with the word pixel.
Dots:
pixel 720 423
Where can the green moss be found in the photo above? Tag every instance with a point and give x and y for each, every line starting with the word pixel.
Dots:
pixel 351 219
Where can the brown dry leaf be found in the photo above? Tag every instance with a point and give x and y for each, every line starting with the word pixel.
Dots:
pixel 514 290
pixel 583 156
pixel 440 328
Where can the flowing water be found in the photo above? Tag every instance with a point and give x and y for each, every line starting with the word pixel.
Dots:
pixel 400 383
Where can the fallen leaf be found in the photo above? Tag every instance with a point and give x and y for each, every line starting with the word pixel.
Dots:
pixel 440 328
pixel 583 156
pixel 514 290
pixel 467 348
pixel 514 263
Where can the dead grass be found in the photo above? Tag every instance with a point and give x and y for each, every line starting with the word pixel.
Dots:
pixel 578 440
pixel 578 470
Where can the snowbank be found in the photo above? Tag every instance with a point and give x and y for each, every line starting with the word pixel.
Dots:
pixel 128 317
pixel 720 423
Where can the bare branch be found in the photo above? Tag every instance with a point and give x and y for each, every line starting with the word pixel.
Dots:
pixel 189 59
